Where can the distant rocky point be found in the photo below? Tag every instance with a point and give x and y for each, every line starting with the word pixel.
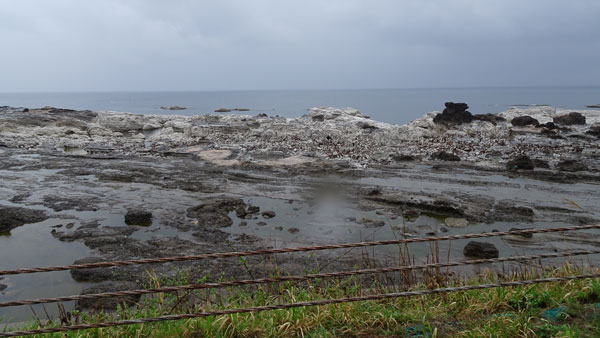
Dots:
pixel 229 110
pixel 594 106
pixel 173 108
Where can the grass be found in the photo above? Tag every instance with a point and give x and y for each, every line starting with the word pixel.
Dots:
pixel 567 309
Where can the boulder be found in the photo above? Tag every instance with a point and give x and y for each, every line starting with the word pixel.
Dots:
pixel 571 165
pixel 594 106
pixel 445 156
pixel 522 121
pixel 454 113
pixel 108 304
pixel 520 163
pixel 482 250
pixel 570 119
pixel 12 217
pixel 138 217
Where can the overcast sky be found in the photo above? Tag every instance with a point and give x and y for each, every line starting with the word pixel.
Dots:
pixel 104 45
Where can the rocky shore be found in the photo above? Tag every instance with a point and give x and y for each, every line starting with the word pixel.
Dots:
pixel 324 134
pixel 140 186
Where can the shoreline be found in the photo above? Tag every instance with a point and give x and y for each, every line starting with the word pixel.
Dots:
pixel 232 182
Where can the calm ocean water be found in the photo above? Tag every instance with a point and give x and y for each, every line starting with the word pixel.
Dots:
pixel 389 105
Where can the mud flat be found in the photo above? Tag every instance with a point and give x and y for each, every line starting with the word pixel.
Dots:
pixel 82 186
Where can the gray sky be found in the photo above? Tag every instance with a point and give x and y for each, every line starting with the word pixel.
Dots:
pixel 86 45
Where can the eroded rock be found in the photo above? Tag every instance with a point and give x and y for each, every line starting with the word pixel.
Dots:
pixel 454 113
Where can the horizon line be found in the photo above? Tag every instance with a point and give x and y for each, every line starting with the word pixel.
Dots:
pixel 301 89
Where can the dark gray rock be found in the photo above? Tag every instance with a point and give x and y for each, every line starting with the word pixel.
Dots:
pixel 570 119
pixel 94 274
pixel 454 113
pixel 253 209
pixel 571 165
pixel 364 125
pixel 445 156
pixel 492 118
pixel 3 287
pixel 173 108
pixel 223 110
pixel 522 121
pixel 594 130
pixel 12 217
pixel 240 212
pixel 482 250
pixel 268 214
pixel 403 157
pixel 214 211
pixel 108 304
pixel 138 217
pixel 549 126
pixel 520 163
pixel 507 211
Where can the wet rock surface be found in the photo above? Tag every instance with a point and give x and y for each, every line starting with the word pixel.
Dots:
pixel 12 217
pixel 214 211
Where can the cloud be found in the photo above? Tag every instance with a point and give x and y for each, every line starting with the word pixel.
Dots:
pixel 67 45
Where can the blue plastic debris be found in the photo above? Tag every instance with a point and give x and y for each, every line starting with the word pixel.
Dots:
pixel 556 313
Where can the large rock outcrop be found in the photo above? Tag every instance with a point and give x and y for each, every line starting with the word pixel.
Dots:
pixel 454 113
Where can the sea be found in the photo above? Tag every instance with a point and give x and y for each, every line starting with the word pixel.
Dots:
pixel 397 106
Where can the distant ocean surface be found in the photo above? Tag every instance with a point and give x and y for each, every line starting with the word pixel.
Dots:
pixel 389 105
